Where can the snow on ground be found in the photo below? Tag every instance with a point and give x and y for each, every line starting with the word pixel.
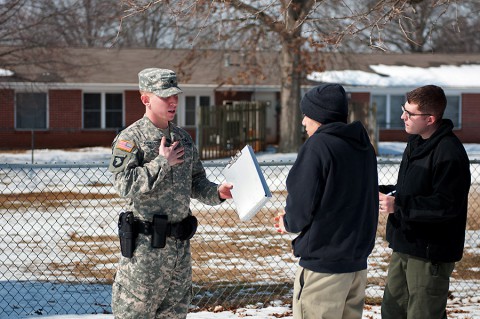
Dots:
pixel 461 307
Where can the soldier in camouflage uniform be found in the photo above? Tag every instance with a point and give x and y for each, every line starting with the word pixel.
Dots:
pixel 156 166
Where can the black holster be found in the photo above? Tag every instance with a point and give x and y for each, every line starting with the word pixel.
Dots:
pixel 127 233
pixel 159 231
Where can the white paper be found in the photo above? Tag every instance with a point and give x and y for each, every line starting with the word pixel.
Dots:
pixel 250 190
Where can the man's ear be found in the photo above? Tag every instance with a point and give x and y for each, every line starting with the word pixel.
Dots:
pixel 432 119
pixel 145 99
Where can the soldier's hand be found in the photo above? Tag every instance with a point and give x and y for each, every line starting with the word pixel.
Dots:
pixel 225 191
pixel 173 153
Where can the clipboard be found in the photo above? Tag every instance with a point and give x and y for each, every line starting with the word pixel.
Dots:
pixel 250 190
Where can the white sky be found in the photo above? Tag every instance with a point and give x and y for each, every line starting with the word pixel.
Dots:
pixel 447 76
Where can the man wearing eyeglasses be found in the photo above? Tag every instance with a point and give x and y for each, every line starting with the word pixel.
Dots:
pixel 156 168
pixel 428 211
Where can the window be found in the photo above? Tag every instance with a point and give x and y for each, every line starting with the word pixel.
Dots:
pixel 380 102
pixel 92 110
pixel 452 111
pixel 191 108
pixel 190 111
pixel 102 110
pixel 204 101
pixel 113 114
pixel 389 110
pixel 31 110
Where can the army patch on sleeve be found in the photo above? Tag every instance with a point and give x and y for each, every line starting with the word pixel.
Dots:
pixel 117 161
pixel 126 146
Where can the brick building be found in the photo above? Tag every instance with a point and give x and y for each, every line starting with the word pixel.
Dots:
pixel 88 104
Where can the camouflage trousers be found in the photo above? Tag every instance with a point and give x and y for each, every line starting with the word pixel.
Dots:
pixel 154 283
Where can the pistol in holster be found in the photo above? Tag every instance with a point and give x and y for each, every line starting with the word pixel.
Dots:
pixel 127 233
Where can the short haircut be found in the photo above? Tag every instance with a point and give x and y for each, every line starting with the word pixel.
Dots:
pixel 430 99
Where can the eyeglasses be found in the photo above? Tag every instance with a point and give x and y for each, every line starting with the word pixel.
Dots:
pixel 410 114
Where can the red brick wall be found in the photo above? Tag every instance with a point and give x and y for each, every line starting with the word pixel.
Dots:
pixel 393 136
pixel 470 131
pixel 360 97
pixel 65 109
pixel 65 124
pixel 7 109
pixel 134 108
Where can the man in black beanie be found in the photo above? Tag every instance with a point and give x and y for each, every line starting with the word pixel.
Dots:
pixel 332 204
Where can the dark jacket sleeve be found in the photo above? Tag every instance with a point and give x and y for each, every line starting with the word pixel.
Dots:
pixel 305 185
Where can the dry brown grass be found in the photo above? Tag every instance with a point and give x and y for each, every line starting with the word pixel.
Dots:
pixel 239 249
pixel 47 199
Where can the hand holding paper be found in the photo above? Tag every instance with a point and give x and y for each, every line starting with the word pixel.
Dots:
pixel 225 191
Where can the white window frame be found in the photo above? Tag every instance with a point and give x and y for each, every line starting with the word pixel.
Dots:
pixel 103 110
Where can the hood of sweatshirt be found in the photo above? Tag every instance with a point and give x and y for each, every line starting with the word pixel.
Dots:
pixel 353 133
pixel 417 146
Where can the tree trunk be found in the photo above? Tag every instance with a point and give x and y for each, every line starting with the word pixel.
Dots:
pixel 291 80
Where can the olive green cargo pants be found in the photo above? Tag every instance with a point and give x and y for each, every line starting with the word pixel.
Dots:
pixel 416 288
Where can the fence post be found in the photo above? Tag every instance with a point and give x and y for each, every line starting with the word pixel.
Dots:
pixel 33 144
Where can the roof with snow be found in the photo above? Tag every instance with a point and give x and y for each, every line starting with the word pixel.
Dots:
pixel 381 75
pixel 215 67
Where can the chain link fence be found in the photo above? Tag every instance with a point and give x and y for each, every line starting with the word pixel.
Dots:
pixel 59 244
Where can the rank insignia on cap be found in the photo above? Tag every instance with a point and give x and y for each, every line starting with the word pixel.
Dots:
pixel 126 146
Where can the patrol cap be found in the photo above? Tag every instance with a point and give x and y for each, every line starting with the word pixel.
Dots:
pixel 161 82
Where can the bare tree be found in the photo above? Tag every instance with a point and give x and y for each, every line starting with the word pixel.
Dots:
pixel 19 23
pixel 296 31
pixel 38 33
pixel 457 32
pixel 296 28
pixel 440 26
pixel 80 23
pixel 152 29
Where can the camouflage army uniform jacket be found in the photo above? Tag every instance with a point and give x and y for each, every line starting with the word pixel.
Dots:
pixel 149 182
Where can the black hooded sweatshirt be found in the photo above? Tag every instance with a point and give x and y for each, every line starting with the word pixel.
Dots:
pixel 333 199
pixel 431 202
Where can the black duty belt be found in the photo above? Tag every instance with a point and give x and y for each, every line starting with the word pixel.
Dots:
pixel 180 230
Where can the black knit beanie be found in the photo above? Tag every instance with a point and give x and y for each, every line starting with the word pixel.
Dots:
pixel 325 104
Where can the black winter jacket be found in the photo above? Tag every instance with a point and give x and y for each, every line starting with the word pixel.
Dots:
pixel 333 199
pixel 432 196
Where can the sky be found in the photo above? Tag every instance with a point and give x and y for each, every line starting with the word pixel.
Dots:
pixel 460 307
